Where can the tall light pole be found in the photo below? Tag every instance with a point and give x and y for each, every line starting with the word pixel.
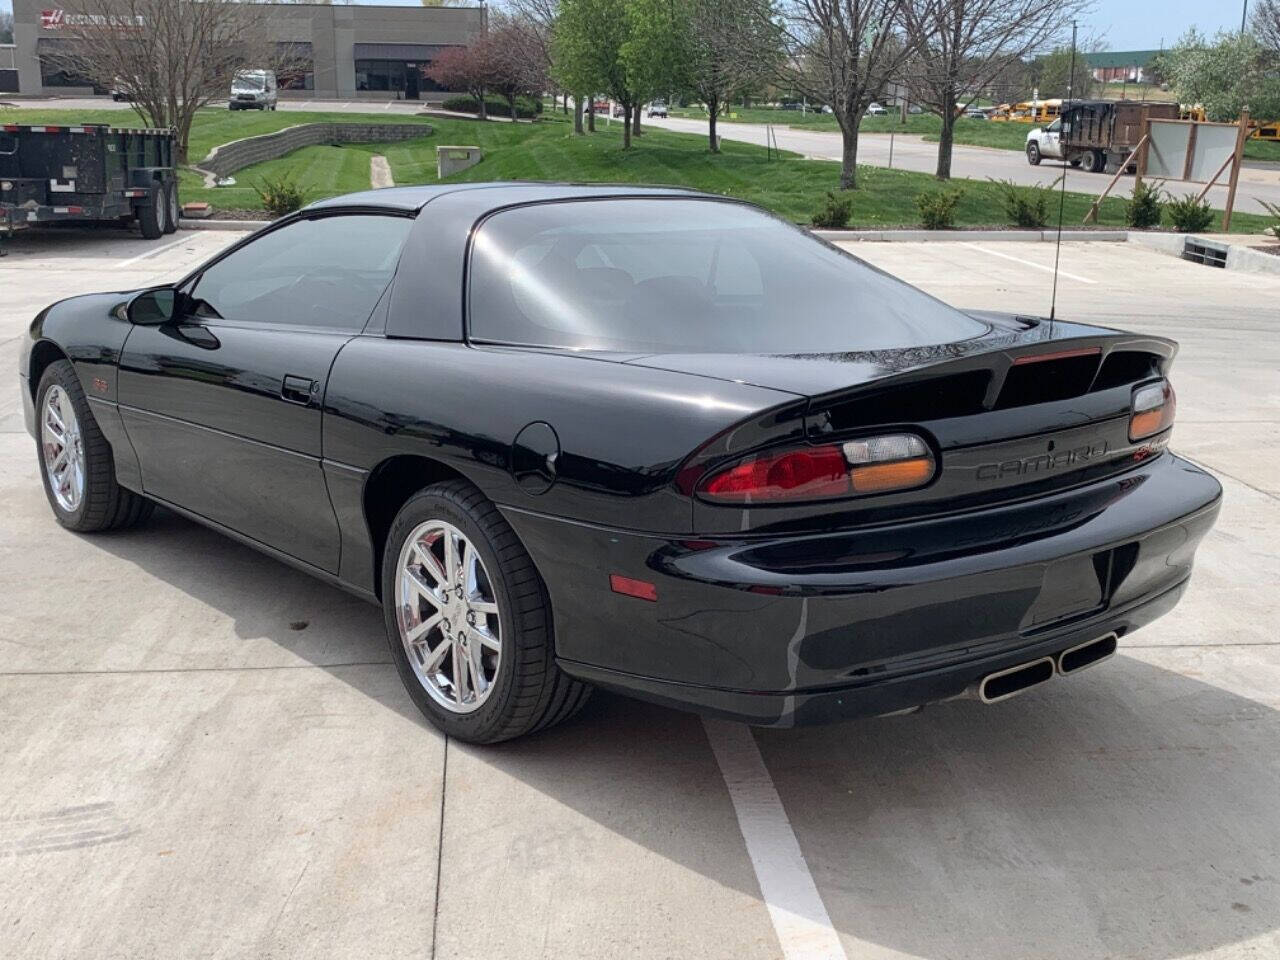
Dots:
pixel 1244 15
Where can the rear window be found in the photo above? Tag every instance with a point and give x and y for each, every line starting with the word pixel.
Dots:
pixel 684 275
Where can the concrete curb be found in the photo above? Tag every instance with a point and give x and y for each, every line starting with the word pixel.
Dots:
pixel 972 236
pixel 186 224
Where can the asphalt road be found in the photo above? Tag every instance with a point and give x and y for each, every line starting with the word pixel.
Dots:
pixel 978 163
pixel 206 754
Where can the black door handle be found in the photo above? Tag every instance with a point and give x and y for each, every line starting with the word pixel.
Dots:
pixel 297 389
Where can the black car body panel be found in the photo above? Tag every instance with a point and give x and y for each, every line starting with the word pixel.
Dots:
pixel 1045 525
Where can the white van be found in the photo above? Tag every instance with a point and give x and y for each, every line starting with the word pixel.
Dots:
pixel 253 90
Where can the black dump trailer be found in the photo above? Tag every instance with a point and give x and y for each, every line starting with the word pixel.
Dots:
pixel 87 173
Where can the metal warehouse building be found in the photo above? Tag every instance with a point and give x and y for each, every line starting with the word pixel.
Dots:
pixel 378 52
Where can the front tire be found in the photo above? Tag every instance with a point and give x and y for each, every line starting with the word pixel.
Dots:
pixel 468 620
pixel 76 464
pixel 1033 154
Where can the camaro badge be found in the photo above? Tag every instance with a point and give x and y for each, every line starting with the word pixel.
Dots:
pixel 1045 461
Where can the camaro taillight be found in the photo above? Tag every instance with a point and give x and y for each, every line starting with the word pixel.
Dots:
pixel 1154 405
pixel 881 464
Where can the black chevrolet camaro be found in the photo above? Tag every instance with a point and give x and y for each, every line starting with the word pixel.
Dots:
pixel 642 439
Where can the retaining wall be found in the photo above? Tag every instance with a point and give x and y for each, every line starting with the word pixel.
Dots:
pixel 227 158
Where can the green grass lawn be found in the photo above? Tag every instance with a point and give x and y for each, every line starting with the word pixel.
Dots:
pixel 548 150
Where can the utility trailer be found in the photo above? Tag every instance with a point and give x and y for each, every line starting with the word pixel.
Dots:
pixel 1096 135
pixel 87 173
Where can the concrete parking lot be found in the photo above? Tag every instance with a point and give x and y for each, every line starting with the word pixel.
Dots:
pixel 207 754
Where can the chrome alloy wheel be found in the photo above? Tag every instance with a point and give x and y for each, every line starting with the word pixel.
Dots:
pixel 63 447
pixel 447 613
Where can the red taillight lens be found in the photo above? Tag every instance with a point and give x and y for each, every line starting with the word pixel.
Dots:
pixel 1154 406
pixel 799 474
pixel 872 465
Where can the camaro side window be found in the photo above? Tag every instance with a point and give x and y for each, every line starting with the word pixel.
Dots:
pixel 327 272
pixel 690 276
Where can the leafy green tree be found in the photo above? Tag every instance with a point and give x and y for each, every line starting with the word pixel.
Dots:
pixel 713 49
pixel 657 50
pixel 587 52
pixel 1226 75
pixel 1051 75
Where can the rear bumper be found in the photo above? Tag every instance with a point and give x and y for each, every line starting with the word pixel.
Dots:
pixel 820 627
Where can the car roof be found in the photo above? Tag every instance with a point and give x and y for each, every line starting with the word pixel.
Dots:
pixel 498 194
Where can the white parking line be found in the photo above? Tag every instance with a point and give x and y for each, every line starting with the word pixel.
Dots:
pixel 1038 266
pixel 799 917
pixel 153 252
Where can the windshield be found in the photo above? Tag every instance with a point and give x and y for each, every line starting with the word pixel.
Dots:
pixel 249 81
pixel 686 275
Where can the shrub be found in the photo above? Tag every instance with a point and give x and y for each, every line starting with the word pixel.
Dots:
pixel 526 108
pixel 834 213
pixel 1144 208
pixel 281 195
pixel 1273 211
pixel 938 208
pixel 1026 206
pixel 1188 214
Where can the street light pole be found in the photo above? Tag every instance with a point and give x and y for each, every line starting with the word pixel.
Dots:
pixel 1244 15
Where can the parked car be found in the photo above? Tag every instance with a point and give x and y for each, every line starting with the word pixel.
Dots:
pixel 876 110
pixel 826 108
pixel 253 90
pixel 612 457
pixel 658 108
pixel 600 106
pixel 976 113
pixel 792 105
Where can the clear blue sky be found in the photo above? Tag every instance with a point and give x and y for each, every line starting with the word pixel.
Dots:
pixel 1120 24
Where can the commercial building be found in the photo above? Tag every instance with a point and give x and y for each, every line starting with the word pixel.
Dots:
pixel 1121 66
pixel 347 52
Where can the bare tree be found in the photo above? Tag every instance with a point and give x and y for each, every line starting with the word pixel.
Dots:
pixel 513 59
pixel 1266 24
pixel 173 56
pixel 843 53
pixel 962 45
pixel 540 15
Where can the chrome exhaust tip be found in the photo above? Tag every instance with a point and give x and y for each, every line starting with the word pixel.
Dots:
pixel 1012 681
pixel 1074 659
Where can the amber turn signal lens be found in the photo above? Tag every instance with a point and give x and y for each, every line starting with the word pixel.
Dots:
pixel 1154 406
pixel 902 475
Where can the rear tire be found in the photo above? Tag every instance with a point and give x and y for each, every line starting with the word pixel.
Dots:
pixel 1092 161
pixel 527 690
pixel 98 503
pixel 172 209
pixel 1033 154
pixel 151 215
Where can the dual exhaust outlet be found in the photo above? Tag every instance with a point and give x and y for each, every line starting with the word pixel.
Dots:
pixel 1012 681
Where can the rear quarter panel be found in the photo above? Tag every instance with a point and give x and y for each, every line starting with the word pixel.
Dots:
pixel 623 431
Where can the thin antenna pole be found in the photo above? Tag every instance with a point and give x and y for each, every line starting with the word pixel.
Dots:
pixel 1062 195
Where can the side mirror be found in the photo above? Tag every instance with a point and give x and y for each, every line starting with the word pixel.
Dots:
pixel 153 307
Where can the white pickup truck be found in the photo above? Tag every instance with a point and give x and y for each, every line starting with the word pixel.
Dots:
pixel 1045 143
